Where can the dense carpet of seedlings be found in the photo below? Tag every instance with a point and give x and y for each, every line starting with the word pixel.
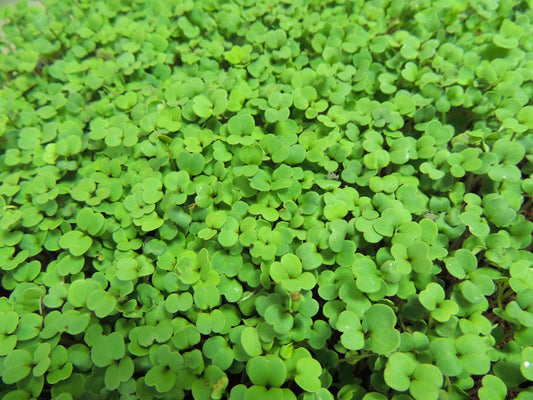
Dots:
pixel 266 200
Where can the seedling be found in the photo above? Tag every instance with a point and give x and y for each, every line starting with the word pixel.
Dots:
pixel 297 200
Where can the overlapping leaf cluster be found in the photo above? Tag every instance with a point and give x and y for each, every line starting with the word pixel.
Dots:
pixel 266 200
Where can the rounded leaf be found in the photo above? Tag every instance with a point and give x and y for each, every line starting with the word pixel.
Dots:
pixel 250 341
pixel 308 371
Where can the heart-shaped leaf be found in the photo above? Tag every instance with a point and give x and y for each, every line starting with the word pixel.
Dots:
pixel 308 371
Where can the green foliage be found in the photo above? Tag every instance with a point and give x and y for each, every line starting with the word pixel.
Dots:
pixel 266 200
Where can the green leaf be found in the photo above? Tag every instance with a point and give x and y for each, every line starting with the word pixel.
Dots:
pixel 431 296
pixel 443 349
pixel 17 365
pixel 266 371
pixel 509 35
pixel 426 382
pixel 414 200
pixel 162 378
pixel 193 163
pixel 493 388
pixel 10 321
pixel 461 263
pixel 108 348
pixel 101 302
pixel 238 54
pixel 280 319
pixel 178 302
pixel 377 159
pixel 202 106
pixel 473 354
pixel 250 341
pixel 41 359
pixel 217 350
pixel 289 267
pixel 308 371
pixel 398 371
pixel 374 396
pixel 127 269
pixel 525 116
pixel 75 321
pixel 379 321
pixel 353 336
pixel 526 368
pixel 497 210
pixel 126 101
pixel 76 242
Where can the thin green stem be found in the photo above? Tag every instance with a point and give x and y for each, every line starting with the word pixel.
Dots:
pixel 509 292
pixel 448 385
pixel 250 294
pixel 78 6
pixel 356 359
pixel 402 325
pixel 57 37
pixel 501 289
